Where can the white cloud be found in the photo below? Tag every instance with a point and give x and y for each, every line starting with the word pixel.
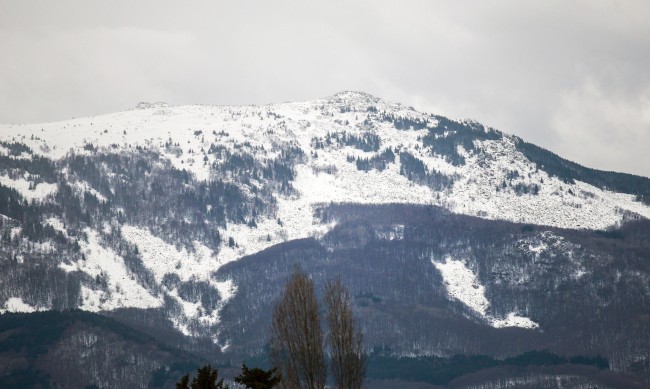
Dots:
pixel 518 66
pixel 81 72
pixel 604 129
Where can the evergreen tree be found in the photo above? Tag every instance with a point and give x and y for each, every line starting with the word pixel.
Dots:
pixel 206 378
pixel 184 383
pixel 257 378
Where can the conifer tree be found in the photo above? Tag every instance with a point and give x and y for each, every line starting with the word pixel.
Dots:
pixel 256 378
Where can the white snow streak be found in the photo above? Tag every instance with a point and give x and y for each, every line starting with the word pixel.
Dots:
pixel 463 285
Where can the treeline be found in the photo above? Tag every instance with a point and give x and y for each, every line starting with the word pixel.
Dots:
pixel 415 170
pixel 82 349
pixel 366 141
pixel 378 161
pixel 242 165
pixel 570 172
pixel 441 371
pixel 39 168
pixel 142 188
pixel 403 123
pixel 26 215
pixel 445 137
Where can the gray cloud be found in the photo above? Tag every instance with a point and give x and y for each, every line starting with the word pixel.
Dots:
pixel 569 76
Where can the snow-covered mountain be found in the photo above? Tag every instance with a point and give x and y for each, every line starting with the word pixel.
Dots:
pixel 161 207
pixel 464 161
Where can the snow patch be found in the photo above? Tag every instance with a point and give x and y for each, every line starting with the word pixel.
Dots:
pixel 57 224
pixel 15 232
pixel 28 190
pixel 546 241
pixel 16 304
pixel 392 232
pixel 514 320
pixel 463 285
pixel 83 186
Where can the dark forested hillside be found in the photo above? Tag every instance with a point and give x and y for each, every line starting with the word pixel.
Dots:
pixel 76 349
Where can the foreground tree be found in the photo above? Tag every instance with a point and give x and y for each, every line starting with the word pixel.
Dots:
pixel 348 360
pixel 296 336
pixel 184 383
pixel 256 378
pixel 206 378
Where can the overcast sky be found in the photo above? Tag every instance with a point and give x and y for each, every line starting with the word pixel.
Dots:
pixel 571 76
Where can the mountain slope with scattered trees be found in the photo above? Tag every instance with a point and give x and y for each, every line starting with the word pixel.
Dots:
pixel 454 238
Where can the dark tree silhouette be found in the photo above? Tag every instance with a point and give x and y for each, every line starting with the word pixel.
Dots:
pixel 184 383
pixel 206 378
pixel 296 336
pixel 256 378
pixel 348 360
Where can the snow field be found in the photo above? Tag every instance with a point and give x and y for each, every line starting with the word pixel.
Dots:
pixel 123 289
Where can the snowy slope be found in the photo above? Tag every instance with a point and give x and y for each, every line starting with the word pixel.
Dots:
pixel 123 290
pixel 195 128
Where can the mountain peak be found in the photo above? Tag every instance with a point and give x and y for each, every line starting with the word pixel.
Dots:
pixel 359 101
pixel 148 105
pixel 351 94
pixel 354 97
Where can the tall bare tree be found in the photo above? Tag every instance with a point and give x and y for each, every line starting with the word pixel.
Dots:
pixel 345 341
pixel 296 336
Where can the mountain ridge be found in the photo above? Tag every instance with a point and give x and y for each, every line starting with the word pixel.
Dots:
pixel 344 101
